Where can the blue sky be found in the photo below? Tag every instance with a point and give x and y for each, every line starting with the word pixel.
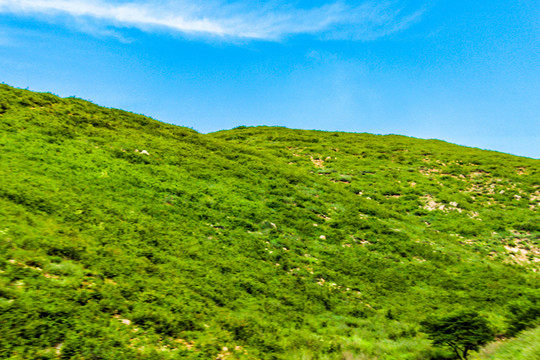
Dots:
pixel 467 72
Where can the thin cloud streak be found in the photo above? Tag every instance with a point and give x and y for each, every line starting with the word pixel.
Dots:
pixel 271 22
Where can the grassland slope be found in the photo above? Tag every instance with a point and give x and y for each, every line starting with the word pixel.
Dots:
pixel 126 238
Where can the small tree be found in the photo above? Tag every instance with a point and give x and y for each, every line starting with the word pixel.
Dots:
pixel 462 331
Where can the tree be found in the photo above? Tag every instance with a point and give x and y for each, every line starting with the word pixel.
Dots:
pixel 463 331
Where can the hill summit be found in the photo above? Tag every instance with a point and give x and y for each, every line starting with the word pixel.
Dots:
pixel 123 237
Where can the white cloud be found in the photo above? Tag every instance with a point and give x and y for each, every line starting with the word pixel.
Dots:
pixel 240 19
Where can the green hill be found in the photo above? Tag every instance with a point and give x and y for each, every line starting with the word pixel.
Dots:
pixel 125 238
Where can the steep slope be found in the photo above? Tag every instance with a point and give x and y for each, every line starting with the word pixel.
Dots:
pixel 123 237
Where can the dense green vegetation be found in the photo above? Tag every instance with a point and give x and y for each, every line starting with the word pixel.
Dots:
pixel 123 237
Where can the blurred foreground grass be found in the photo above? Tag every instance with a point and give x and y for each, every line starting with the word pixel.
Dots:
pixel 525 347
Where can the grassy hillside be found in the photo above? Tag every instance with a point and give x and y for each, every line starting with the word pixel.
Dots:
pixel 123 237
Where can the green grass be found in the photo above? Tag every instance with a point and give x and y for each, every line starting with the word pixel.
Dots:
pixel 525 347
pixel 123 237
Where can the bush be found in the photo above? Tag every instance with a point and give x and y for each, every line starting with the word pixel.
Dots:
pixel 524 314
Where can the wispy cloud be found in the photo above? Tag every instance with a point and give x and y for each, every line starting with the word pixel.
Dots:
pixel 240 19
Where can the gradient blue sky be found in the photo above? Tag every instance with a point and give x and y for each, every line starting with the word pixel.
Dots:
pixel 467 72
